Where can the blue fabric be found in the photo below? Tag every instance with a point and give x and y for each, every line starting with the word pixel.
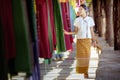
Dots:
pixel 72 17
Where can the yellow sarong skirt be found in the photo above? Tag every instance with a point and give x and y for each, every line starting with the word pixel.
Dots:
pixel 82 55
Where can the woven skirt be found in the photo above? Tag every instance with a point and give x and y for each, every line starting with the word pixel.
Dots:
pixel 82 55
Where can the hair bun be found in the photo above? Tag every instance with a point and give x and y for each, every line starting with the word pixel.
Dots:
pixel 84 6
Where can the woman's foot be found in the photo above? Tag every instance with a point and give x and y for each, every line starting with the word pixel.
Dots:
pixel 86 75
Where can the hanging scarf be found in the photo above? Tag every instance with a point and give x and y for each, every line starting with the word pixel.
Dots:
pixel 42 29
pixel 8 31
pixel 66 26
pixel 72 17
pixel 50 4
pixel 33 31
pixel 3 62
pixel 7 22
pixel 22 37
pixel 58 26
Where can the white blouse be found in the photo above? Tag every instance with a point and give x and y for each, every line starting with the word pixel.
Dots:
pixel 84 27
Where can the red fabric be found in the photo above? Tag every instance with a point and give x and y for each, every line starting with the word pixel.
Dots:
pixel 7 23
pixel 68 19
pixel 42 29
pixel 40 1
pixel 66 26
pixel 52 22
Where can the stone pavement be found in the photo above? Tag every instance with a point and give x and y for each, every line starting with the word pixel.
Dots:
pixel 108 67
pixel 65 70
pixel 109 63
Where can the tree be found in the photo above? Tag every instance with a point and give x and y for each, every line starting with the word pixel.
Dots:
pixel 109 22
pixel 116 19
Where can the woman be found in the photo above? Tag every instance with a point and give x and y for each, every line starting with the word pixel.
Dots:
pixel 85 35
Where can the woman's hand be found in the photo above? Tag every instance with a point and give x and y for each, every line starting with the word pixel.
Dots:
pixel 94 43
pixel 65 32
pixel 70 33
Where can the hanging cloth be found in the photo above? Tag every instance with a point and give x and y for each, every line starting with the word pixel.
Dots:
pixel 68 21
pixel 9 38
pixel 33 31
pixel 73 3
pixel 3 60
pixel 22 38
pixel 7 23
pixel 64 17
pixel 50 4
pixel 72 17
pixel 49 27
pixel 59 27
pixel 42 29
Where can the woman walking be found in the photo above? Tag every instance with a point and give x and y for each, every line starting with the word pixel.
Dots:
pixel 85 35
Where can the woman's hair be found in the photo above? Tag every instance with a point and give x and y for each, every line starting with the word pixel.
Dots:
pixel 84 6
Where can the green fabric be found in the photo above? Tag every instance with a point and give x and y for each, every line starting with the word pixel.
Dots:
pixel 32 19
pixel 47 61
pixel 3 63
pixel 49 29
pixel 59 27
pixel 22 61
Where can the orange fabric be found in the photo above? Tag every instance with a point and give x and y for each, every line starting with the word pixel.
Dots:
pixel 63 0
pixel 83 55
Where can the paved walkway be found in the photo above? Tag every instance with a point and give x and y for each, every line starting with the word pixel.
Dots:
pixel 108 67
pixel 109 63
pixel 65 70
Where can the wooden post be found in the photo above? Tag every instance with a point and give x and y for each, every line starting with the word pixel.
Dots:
pixel 109 22
pixel 116 19
pixel 97 16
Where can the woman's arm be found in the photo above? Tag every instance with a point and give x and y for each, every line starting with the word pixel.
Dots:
pixel 93 37
pixel 93 34
pixel 71 33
